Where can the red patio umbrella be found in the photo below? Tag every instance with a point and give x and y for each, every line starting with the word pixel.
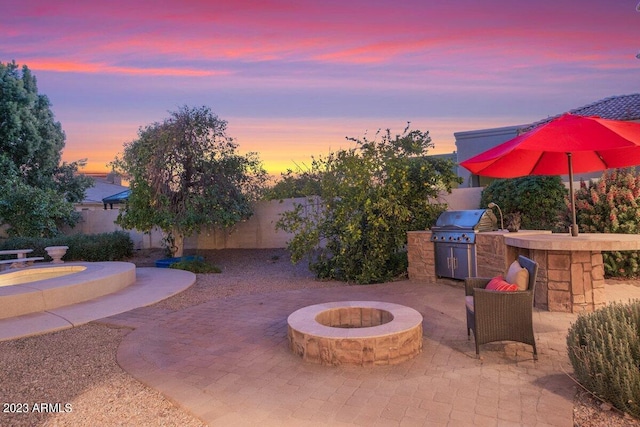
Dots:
pixel 563 146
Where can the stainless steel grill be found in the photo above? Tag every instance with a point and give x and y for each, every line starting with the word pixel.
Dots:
pixel 454 236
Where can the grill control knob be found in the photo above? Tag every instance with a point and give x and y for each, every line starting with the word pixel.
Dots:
pixel 467 239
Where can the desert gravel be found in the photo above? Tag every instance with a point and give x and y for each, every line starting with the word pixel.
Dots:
pixel 74 372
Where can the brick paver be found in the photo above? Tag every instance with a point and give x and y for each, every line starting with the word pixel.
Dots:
pixel 227 362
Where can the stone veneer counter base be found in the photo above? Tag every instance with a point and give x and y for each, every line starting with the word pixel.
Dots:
pixel 571 274
pixel 573 278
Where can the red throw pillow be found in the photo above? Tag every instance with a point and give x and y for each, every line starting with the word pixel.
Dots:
pixel 494 282
pixel 499 284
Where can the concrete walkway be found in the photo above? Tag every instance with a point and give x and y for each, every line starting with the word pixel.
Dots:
pixel 152 285
pixel 227 362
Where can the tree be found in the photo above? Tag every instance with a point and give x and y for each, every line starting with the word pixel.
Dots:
pixel 32 211
pixel 538 200
pixel 31 142
pixel 29 136
pixel 185 174
pixel 368 198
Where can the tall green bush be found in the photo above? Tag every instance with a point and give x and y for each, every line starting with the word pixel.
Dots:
pixel 612 205
pixel 540 200
pixel 604 349
pixel 368 197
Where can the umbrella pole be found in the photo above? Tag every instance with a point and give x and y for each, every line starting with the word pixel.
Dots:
pixel 572 198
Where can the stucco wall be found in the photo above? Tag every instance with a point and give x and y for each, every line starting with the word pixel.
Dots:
pixel 463 198
pixel 258 232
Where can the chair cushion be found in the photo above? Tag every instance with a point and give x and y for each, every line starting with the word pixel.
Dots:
pixel 518 275
pixel 468 301
pixel 499 284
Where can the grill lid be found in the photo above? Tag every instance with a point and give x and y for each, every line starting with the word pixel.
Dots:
pixel 474 220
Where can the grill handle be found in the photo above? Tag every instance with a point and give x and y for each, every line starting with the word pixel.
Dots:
pixel 451 227
pixel 452 263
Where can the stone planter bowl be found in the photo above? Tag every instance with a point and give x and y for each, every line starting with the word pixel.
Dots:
pixel 56 253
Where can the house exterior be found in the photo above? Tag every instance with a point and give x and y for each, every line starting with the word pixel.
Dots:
pixel 104 186
pixel 474 142
pixel 471 143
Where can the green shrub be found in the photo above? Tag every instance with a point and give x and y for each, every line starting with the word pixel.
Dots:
pixel 114 246
pixel 540 200
pixel 366 199
pixel 612 205
pixel 100 247
pixel 196 266
pixel 604 349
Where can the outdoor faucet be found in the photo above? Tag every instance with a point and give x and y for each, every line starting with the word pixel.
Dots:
pixel 493 205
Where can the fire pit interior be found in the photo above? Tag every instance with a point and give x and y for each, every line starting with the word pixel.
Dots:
pixel 364 333
pixel 353 317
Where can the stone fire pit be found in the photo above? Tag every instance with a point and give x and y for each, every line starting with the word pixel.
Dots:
pixel 363 333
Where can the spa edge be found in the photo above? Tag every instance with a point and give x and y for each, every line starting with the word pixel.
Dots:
pixel 571 274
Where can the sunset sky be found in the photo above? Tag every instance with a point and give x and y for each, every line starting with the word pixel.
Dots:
pixel 294 78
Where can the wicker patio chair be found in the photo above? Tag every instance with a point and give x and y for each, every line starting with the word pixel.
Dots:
pixel 501 316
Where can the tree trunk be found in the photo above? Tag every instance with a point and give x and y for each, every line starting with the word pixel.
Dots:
pixel 177 248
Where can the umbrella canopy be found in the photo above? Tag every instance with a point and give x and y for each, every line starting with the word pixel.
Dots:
pixel 563 146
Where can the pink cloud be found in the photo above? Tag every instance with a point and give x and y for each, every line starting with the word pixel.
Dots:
pixel 382 58
pixel 373 32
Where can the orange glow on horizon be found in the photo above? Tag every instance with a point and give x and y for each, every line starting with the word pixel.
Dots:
pixel 281 144
pixel 80 67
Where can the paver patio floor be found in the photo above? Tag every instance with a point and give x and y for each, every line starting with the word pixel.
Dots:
pixel 227 362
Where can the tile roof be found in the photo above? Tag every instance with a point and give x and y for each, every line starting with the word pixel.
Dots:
pixel 622 107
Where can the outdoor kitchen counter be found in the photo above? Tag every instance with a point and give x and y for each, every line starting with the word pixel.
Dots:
pixel 572 275
pixel 581 242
